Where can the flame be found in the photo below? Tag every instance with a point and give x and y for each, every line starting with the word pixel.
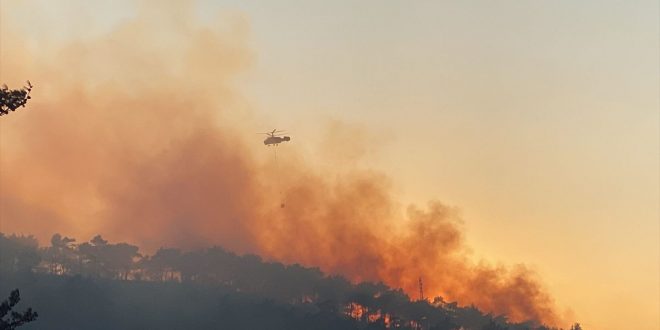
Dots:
pixel 136 135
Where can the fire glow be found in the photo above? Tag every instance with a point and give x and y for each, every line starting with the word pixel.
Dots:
pixel 152 159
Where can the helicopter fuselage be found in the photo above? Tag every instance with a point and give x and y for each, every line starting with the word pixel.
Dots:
pixel 275 140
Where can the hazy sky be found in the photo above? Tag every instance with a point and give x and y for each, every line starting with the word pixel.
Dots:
pixel 539 120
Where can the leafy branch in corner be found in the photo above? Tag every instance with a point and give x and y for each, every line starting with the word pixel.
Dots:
pixel 14 319
pixel 12 99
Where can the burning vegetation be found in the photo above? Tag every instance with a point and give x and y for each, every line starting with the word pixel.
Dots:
pixel 161 161
pixel 90 268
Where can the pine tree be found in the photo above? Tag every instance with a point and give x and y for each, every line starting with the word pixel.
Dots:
pixel 12 99
pixel 10 320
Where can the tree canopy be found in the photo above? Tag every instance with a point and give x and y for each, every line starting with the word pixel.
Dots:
pixel 12 99
pixel 101 282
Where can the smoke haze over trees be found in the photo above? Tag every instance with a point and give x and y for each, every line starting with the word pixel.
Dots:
pixel 103 285
pixel 162 161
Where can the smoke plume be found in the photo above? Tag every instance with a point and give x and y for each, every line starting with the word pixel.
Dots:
pixel 136 135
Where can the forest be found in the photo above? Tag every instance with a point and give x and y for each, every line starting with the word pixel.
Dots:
pixel 102 285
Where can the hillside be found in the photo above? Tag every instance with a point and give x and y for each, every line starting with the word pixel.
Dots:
pixel 100 285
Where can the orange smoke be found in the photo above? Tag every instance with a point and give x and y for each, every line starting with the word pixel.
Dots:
pixel 136 135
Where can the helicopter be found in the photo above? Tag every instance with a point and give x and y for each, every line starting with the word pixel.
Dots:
pixel 274 138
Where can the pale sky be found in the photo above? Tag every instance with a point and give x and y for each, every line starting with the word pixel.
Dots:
pixel 539 120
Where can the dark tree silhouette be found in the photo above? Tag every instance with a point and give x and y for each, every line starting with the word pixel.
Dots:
pixel 9 319
pixel 494 326
pixel 82 282
pixel 12 99
pixel 61 255
pixel 18 253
